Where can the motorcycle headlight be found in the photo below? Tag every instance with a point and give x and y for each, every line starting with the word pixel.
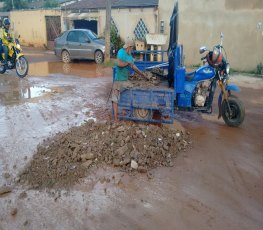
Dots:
pixel 227 68
pixel 18 46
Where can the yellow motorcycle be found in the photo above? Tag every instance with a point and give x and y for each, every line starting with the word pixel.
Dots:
pixel 16 59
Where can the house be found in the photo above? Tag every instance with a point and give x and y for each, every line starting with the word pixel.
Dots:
pixel 2 13
pixel 129 18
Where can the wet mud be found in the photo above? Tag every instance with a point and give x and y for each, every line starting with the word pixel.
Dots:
pixel 217 184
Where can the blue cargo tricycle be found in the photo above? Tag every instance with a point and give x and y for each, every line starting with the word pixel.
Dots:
pixel 180 90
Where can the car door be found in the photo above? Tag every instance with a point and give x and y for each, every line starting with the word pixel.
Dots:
pixel 73 44
pixel 86 49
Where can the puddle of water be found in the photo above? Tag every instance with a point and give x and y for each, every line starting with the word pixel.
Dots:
pixel 81 69
pixel 17 95
pixel 33 92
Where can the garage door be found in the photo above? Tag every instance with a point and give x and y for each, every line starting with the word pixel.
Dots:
pixel 85 24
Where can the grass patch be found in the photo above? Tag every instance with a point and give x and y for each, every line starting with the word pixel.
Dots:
pixel 111 63
pixel 251 73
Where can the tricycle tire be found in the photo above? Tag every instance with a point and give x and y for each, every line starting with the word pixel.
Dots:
pixel 237 115
pixel 145 114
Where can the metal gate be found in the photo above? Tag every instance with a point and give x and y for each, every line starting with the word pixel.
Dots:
pixel 53 25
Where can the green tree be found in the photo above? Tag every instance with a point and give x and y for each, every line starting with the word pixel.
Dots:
pixel 51 4
pixel 15 4
pixel 116 39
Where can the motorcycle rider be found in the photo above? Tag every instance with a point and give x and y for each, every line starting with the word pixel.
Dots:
pixel 1 36
pixel 7 38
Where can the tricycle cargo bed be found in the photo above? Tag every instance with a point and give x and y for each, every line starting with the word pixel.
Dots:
pixel 147 104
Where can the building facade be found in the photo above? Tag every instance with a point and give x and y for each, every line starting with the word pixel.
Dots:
pixel 200 23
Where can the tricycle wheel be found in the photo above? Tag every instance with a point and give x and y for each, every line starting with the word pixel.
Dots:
pixel 236 115
pixel 143 114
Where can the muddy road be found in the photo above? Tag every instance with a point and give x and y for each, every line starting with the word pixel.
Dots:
pixel 217 184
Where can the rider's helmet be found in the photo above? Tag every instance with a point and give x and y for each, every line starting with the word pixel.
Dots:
pixel 215 57
pixel 6 23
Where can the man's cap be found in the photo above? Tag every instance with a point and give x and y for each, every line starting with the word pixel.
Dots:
pixel 128 43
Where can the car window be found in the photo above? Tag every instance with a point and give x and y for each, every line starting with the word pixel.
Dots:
pixel 82 37
pixel 92 35
pixel 72 36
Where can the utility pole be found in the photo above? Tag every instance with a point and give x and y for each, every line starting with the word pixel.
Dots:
pixel 107 31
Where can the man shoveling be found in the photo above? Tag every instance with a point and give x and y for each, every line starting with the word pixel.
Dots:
pixel 124 61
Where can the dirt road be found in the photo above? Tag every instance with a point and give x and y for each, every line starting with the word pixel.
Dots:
pixel 215 185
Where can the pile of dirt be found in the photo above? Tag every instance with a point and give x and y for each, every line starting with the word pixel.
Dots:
pixel 63 160
pixel 152 78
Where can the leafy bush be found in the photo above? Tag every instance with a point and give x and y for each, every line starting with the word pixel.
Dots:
pixel 259 69
pixel 116 39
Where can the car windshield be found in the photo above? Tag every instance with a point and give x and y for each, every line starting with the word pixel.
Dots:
pixel 92 35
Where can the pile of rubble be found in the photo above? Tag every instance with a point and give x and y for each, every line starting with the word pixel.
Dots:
pixel 153 78
pixel 132 147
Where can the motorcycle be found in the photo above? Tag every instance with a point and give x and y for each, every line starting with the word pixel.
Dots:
pixel 16 59
pixel 200 85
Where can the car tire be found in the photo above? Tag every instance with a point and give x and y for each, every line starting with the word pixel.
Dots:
pixel 98 57
pixel 65 56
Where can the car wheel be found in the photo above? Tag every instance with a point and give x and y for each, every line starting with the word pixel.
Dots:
pixel 65 56
pixel 99 58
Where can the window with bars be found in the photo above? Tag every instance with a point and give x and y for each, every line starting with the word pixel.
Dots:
pixel 140 30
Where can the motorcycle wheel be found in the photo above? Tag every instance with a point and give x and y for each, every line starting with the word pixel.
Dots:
pixel 21 66
pixel 2 69
pixel 236 115
pixel 143 114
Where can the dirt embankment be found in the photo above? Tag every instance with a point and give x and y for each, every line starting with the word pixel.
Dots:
pixel 61 161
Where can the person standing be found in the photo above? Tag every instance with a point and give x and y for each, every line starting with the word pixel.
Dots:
pixel 124 62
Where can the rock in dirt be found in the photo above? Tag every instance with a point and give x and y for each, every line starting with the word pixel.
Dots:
pixel 26 223
pixel 6 175
pixel 142 169
pixel 87 163
pixel 62 160
pixel 134 164
pixel 5 189
pixel 22 195
pixel 13 211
